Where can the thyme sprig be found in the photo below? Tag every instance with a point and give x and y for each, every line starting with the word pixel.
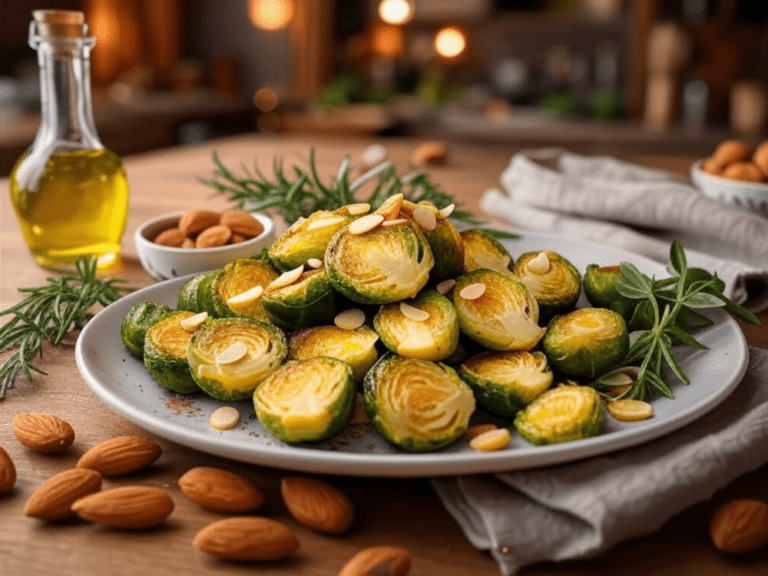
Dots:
pixel 48 313
pixel 668 308
pixel 297 193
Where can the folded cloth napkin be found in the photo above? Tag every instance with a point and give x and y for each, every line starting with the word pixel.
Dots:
pixel 581 509
pixel 636 208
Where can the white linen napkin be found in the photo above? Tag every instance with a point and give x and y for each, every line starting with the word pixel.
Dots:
pixel 580 509
pixel 636 208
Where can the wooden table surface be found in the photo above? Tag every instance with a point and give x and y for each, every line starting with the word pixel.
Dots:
pixel 402 512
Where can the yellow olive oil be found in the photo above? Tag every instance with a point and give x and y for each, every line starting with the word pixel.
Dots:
pixel 75 205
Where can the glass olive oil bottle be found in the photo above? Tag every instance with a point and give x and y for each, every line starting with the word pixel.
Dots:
pixel 70 193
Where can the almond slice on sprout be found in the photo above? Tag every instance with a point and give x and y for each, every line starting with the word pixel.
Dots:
pixel 365 224
pixel 396 222
pixel 540 264
pixel 413 313
pixel 324 222
pixel 232 354
pixel 287 278
pixel 629 410
pixel 358 209
pixel 424 218
pixel 314 263
pixel 296 224
pixel 446 286
pixel 246 297
pixel 193 322
pixel 445 212
pixel 473 291
pixel 350 319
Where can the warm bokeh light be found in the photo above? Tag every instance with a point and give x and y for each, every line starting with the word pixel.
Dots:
pixel 387 41
pixel 271 14
pixel 450 42
pixel 265 99
pixel 395 11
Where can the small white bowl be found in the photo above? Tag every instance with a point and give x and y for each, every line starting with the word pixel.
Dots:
pixel 164 262
pixel 752 196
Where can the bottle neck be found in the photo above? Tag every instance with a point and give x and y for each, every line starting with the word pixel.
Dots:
pixel 65 94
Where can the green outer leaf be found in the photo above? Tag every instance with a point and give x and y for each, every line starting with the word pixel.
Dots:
pixel 703 300
pixel 677 258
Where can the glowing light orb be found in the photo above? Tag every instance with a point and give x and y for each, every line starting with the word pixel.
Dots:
pixel 450 42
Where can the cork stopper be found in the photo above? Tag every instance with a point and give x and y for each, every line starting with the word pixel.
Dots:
pixel 60 23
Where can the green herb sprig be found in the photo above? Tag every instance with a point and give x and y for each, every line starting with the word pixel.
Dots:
pixel 668 308
pixel 298 193
pixel 48 313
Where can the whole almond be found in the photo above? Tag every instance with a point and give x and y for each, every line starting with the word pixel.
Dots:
pixel 242 223
pixel 217 489
pixel 378 560
pixel 237 238
pixel 317 504
pixel 195 221
pixel 120 455
pixel 247 538
pixel 126 507
pixel 7 472
pixel 54 499
pixel 213 237
pixel 44 433
pixel 172 237
pixel 188 243
pixel 740 526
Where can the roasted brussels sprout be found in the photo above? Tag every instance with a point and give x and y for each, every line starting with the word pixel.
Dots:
pixel 497 310
pixel 382 265
pixel 309 301
pixel 505 382
pixel 306 400
pixel 165 353
pixel 563 414
pixel 134 327
pixel 484 251
pixel 415 404
pixel 195 293
pixel 355 347
pixel 553 281
pixel 587 342
pixel 448 250
pixel 228 290
pixel 229 357
pixel 426 327
pixel 306 239
pixel 600 289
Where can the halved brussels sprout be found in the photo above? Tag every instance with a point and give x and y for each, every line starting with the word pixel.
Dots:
pixel 355 347
pixel 165 353
pixel 430 332
pixel 505 314
pixel 134 327
pixel 306 400
pixel 448 250
pixel 195 293
pixel 505 382
pixel 600 289
pixel 587 342
pixel 229 357
pixel 553 281
pixel 307 239
pixel 383 265
pixel 236 278
pixel 415 404
pixel 309 301
pixel 563 414
pixel 484 251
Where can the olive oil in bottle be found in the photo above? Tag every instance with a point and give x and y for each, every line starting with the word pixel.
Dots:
pixel 70 193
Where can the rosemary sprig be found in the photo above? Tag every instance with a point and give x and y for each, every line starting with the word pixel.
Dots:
pixel 667 307
pixel 298 193
pixel 49 313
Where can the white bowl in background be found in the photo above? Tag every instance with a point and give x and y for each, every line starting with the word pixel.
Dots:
pixel 164 262
pixel 752 196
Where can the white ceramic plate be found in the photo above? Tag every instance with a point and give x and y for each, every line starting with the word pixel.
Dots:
pixel 122 383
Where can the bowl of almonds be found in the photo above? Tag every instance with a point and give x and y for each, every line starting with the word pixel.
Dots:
pixel 198 240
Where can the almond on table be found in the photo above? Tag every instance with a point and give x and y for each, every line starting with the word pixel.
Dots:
pixel 7 472
pixel 53 500
pixel 121 455
pixel 317 505
pixel 126 507
pixel 247 538
pixel 44 433
pixel 221 490
pixel 387 560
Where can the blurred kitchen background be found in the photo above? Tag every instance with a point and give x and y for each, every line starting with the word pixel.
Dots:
pixel 644 76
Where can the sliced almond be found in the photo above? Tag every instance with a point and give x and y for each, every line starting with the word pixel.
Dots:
pixel 446 286
pixel 232 354
pixel 395 222
pixel 193 322
pixel 409 206
pixel 224 418
pixel 390 209
pixel 424 218
pixel 477 429
pixel 629 410
pixel 295 225
pixel 246 297
pixel 445 212
pixel 365 224
pixel 540 264
pixel 350 319
pixel 358 209
pixel 314 263
pixel 413 313
pixel 323 222
pixel 286 278
pixel 491 440
pixel 473 291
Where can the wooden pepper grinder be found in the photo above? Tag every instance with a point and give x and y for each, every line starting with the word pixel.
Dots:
pixel 669 51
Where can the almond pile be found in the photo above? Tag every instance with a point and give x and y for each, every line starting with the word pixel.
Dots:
pixel 208 229
pixel 737 160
